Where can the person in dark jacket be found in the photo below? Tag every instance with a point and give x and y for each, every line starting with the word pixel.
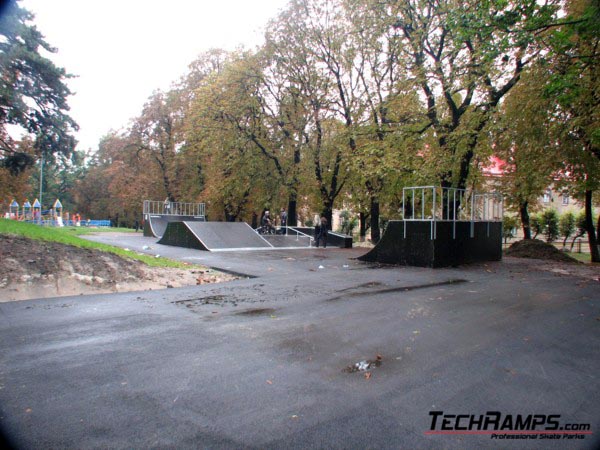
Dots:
pixel 321 232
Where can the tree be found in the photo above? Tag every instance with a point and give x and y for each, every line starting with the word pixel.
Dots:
pixel 158 133
pixel 33 93
pixel 509 223
pixel 537 225
pixel 550 224
pixel 566 226
pixel 298 49
pixel 574 63
pixel 580 226
pixel 465 57
pixel 522 138
pixel 233 140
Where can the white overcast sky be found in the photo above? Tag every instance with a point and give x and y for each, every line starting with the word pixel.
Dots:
pixel 123 50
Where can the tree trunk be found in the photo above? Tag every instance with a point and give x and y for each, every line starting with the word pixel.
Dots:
pixel 525 219
pixel 589 226
pixel 328 213
pixel 577 236
pixel 292 213
pixel 362 219
pixel 375 231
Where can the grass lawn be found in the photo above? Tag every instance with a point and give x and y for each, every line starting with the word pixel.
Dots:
pixel 582 257
pixel 70 236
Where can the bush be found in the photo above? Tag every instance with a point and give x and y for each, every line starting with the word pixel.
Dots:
pixel 566 226
pixel 509 224
pixel 348 223
pixel 550 224
pixel 536 224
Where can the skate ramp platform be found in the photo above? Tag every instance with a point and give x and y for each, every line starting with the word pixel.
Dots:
pixel 213 236
pixel 155 225
pixel 437 244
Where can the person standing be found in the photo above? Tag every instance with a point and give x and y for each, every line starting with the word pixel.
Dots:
pixel 283 218
pixel 322 232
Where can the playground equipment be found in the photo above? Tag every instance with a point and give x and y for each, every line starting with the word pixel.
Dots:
pixel 37 210
pixel 57 213
pixel 442 227
pixel 55 216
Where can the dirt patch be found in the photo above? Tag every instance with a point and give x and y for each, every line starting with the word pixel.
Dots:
pixel 534 248
pixel 38 269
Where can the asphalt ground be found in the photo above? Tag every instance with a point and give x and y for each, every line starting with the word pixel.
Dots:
pixel 267 361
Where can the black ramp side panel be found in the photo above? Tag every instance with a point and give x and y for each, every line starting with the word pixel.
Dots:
pixel 454 243
pixel 392 248
pixel 213 236
pixel 179 235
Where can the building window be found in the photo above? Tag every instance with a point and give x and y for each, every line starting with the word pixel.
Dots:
pixel 565 198
pixel 547 196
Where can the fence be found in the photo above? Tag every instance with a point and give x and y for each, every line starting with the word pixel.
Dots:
pixel 174 208
pixel 440 204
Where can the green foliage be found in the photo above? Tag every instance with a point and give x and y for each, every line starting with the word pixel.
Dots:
pixel 566 225
pixel 549 219
pixel 509 224
pixel 580 223
pixel 537 225
pixel 33 93
pixel 348 222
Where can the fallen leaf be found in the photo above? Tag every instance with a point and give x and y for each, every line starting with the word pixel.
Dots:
pixel 367 375
pixel 269 382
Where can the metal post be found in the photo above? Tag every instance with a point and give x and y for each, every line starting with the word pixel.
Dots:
pixel 413 204
pixel 472 215
pixel 403 205
pixel 434 203
pixel 41 184
pixel 454 215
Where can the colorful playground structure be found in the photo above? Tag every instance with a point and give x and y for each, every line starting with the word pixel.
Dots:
pixel 54 216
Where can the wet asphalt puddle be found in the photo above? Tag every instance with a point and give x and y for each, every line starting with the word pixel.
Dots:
pixel 256 312
pixel 51 306
pixel 196 304
pixel 360 291
pixel 252 295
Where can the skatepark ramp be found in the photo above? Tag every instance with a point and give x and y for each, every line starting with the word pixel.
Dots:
pixel 155 225
pixel 410 243
pixel 213 236
pixel 157 215
pixel 442 227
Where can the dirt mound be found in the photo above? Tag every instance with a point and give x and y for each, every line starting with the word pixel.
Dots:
pixel 36 269
pixel 534 248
